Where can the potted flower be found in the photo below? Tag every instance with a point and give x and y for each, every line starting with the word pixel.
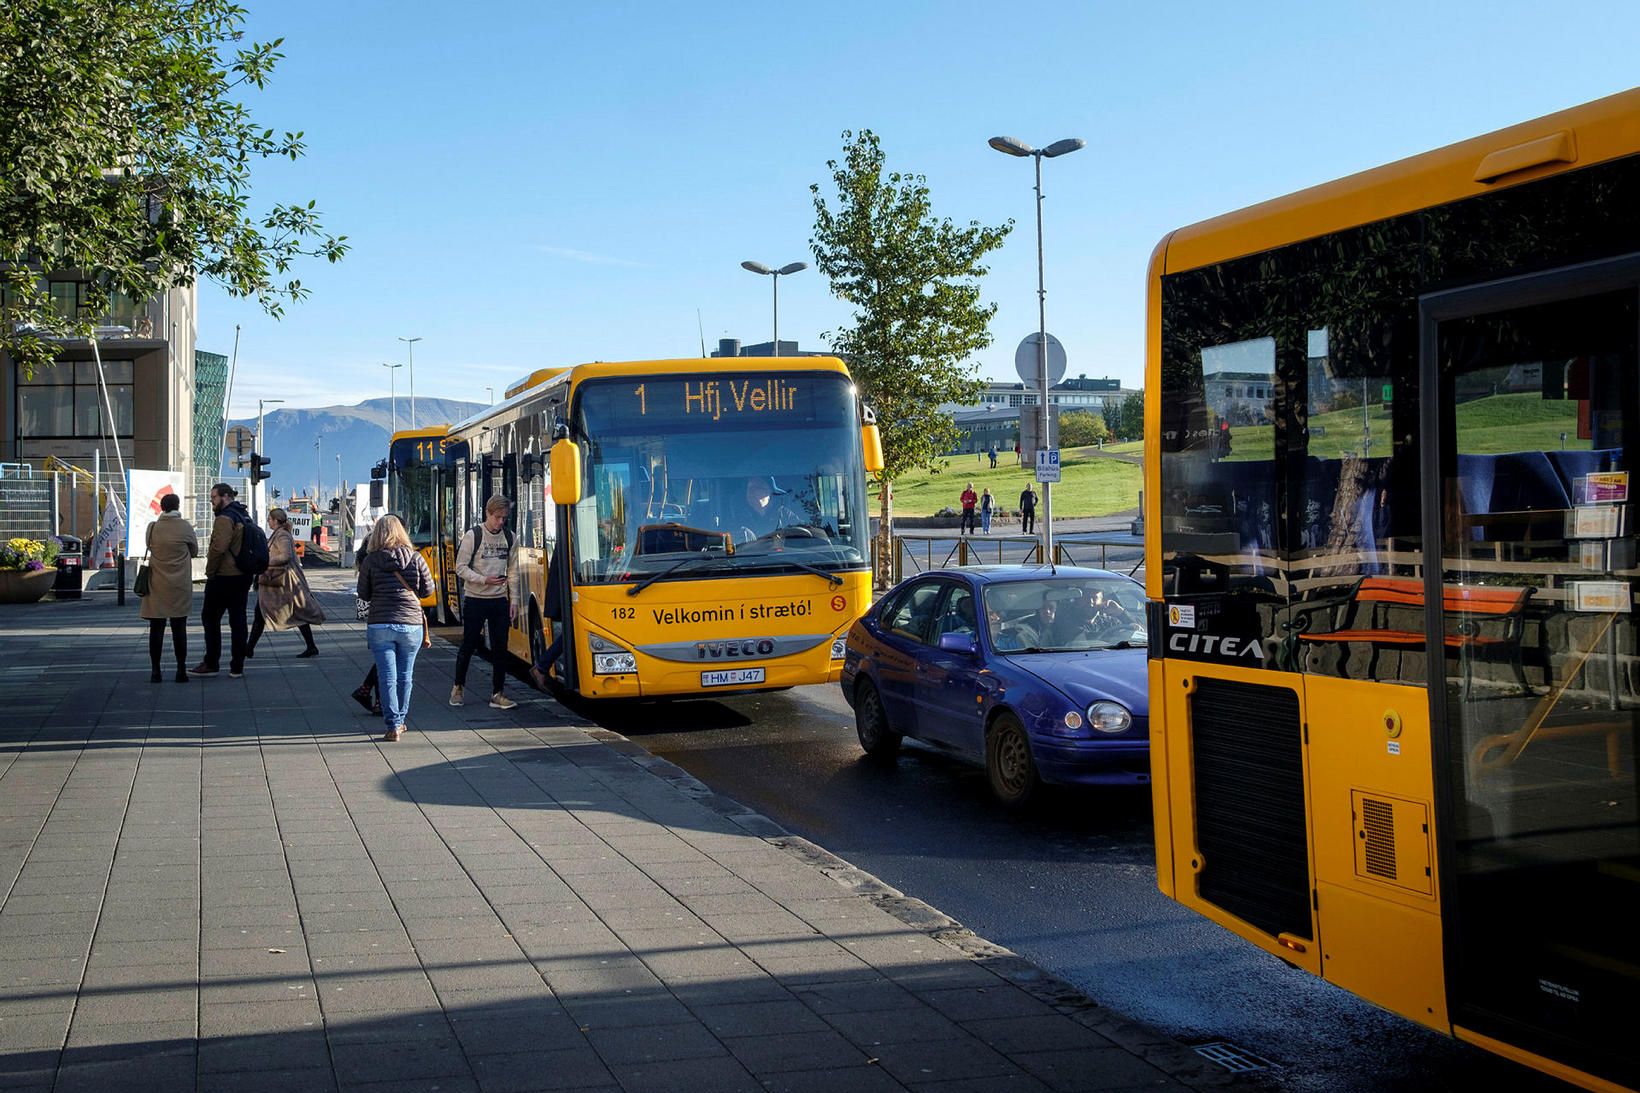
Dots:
pixel 27 568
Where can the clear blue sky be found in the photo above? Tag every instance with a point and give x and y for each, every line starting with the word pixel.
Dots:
pixel 528 184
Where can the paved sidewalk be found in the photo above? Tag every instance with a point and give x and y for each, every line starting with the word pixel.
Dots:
pixel 231 884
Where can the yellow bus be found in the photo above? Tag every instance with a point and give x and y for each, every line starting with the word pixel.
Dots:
pixel 1389 430
pixel 711 514
pixel 418 492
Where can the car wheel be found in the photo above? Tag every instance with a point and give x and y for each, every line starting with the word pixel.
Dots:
pixel 871 722
pixel 1008 763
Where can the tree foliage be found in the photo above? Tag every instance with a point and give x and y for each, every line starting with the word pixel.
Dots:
pixel 125 159
pixel 913 280
pixel 1133 417
pixel 1078 428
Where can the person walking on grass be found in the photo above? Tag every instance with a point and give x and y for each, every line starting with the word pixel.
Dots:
pixel 488 567
pixel 986 503
pixel 394 579
pixel 227 583
pixel 172 548
pixel 969 500
pixel 283 599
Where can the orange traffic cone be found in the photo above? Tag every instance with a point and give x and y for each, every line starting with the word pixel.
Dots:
pixel 108 561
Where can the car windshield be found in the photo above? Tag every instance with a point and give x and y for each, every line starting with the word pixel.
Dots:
pixel 731 473
pixel 1065 614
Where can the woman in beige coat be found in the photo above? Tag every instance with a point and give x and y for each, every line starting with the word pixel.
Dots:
pixel 172 548
pixel 283 599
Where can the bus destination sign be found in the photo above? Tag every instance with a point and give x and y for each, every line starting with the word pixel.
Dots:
pixel 715 398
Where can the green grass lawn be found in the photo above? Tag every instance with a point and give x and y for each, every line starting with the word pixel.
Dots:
pixel 1088 487
pixel 1497 423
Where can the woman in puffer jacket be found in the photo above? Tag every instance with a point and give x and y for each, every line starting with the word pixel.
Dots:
pixel 395 579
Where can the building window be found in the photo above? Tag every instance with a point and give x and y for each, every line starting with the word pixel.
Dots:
pixel 63 401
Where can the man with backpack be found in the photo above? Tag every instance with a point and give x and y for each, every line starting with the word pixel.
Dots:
pixel 237 553
pixel 487 566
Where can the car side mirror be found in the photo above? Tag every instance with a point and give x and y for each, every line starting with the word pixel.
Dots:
pixel 958 643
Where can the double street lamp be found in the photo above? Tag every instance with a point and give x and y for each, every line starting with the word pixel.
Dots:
pixel 775 275
pixel 1015 147
pixel 410 347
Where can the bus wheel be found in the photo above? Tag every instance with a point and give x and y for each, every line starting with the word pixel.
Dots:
pixel 1009 766
pixel 871 722
pixel 538 640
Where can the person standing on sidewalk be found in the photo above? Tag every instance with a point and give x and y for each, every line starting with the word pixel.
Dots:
pixel 226 585
pixel 395 579
pixel 283 599
pixel 969 500
pixel 486 564
pixel 172 548
pixel 1027 509
pixel 986 502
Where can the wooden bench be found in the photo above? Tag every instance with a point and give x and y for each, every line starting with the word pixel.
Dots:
pixel 1501 609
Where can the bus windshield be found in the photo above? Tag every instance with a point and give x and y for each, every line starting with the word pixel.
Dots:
pixel 746 472
pixel 412 489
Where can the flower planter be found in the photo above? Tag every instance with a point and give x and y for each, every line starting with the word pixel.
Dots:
pixel 25 586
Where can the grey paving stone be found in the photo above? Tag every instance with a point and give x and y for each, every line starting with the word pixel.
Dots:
pixel 1084 1070
pixel 825 1050
pixel 434 1057
pixel 528 1071
pixel 33 1031
pixel 721 1075
pixel 505 1033
pixel 259 1018
pixel 597 1011
pixel 864 1078
pixel 92 1042
pixel 941 1060
pixel 654 1043
pixel 306 1049
pixel 128 1006
pixel 154 1074
pixel 714 990
pixel 1000 999
pixel 1018 1034
pixel 1018 1082
pixel 317 1079
pixel 914 1022
pixel 758 1018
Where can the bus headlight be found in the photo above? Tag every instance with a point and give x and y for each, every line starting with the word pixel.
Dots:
pixel 839 647
pixel 1111 717
pixel 609 659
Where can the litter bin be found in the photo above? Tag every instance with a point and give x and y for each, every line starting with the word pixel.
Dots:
pixel 70 563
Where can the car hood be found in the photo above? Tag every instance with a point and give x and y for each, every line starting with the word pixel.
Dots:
pixel 1098 675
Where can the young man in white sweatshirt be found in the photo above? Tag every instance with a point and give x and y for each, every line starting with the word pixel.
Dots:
pixel 487 564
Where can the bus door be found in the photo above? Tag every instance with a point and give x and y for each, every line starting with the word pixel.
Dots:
pixel 1529 605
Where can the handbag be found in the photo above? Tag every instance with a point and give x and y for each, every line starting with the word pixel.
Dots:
pixel 142 583
pixel 426 634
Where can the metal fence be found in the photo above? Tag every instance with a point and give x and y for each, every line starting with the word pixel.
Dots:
pixel 28 502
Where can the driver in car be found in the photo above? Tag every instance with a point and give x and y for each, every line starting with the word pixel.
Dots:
pixel 754 513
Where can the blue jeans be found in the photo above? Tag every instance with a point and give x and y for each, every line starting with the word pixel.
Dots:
pixel 985 520
pixel 394 645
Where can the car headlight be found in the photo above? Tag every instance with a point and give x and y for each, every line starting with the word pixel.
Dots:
pixel 1111 717
pixel 612 664
pixel 839 647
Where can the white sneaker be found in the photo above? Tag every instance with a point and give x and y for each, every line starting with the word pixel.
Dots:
pixel 455 695
pixel 500 701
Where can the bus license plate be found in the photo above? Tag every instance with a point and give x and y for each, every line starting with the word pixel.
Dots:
pixel 731 677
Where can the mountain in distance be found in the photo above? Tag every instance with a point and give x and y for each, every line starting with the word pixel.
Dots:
pixel 359 434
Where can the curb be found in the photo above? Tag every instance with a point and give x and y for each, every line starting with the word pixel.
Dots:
pixel 1168 1055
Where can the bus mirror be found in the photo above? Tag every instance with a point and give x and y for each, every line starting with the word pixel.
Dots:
pixel 871 441
pixel 566 472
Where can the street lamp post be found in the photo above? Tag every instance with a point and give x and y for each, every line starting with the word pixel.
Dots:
pixel 393 390
pixel 410 347
pixel 491 391
pixel 319 469
pixel 261 448
pixel 775 274
pixel 1014 147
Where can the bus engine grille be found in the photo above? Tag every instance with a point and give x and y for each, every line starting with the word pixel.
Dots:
pixel 1247 743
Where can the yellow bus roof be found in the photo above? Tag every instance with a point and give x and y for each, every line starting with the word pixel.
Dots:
pixel 534 379
pixel 412 434
pixel 602 369
pixel 1579 137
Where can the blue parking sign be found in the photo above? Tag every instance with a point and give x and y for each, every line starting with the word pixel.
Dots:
pixel 1047 464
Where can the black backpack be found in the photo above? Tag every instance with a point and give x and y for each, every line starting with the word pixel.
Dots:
pixel 252 556
pixel 477 532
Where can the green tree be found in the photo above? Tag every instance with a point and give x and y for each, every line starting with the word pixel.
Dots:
pixel 913 280
pixel 1133 417
pixel 125 158
pixel 1078 428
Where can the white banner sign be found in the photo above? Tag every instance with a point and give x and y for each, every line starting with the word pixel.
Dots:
pixel 301 527
pixel 143 490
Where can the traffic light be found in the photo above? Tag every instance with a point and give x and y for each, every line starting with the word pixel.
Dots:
pixel 257 464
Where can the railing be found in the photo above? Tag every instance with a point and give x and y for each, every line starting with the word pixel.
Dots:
pixel 920 552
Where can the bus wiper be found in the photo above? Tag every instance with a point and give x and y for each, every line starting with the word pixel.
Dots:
pixel 816 570
pixel 669 570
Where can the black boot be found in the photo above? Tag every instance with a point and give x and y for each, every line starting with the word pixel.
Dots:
pixel 156 677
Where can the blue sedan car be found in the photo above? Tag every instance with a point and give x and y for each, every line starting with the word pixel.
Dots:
pixel 1038 673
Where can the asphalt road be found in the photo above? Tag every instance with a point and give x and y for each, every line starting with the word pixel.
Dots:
pixel 1069 884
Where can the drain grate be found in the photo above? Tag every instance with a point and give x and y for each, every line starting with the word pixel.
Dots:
pixel 1237 1060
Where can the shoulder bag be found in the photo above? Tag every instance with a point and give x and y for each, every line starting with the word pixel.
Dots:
pixel 143 581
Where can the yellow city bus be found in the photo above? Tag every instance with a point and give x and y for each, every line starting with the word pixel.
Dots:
pixel 1389 430
pixel 418 492
pixel 712 516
